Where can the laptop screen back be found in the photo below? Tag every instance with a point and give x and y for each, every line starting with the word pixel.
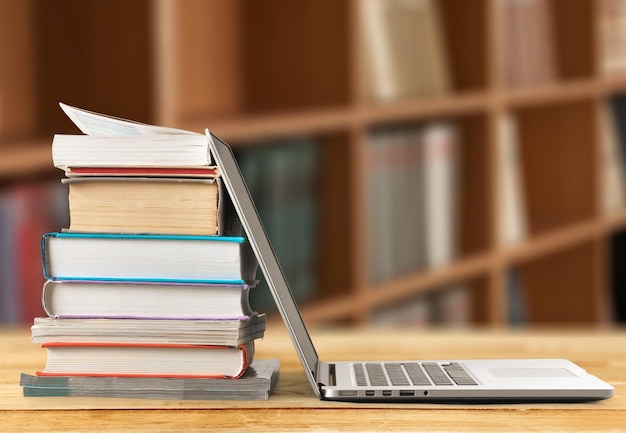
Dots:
pixel 242 200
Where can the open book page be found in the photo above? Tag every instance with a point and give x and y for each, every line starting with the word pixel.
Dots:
pixel 92 123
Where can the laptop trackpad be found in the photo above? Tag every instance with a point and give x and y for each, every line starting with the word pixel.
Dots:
pixel 530 372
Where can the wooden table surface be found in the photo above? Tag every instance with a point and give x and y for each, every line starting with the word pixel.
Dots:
pixel 293 407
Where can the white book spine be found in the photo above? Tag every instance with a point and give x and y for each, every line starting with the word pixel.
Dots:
pixel 440 171
pixel 513 216
pixel 377 49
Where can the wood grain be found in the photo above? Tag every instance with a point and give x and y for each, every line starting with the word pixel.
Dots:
pixel 293 407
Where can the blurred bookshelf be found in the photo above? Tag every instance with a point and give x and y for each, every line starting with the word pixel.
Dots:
pixel 349 75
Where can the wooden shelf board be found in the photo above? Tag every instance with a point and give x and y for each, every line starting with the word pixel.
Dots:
pixel 272 125
pixel 330 309
pixel 445 106
pixel 25 158
pixel 552 242
pixel 413 284
pixel 613 221
pixel 550 93
pixel 613 83
pixel 332 119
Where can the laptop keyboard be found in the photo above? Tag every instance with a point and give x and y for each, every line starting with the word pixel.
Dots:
pixel 411 373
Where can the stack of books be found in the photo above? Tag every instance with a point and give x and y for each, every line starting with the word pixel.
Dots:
pixel 147 290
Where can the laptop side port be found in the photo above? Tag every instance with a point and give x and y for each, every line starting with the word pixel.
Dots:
pixel 407 393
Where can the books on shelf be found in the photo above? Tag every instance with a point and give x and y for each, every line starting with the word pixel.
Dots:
pixel 256 383
pixel 26 211
pixel 441 158
pixel 613 153
pixel 150 279
pixel 516 303
pixel 412 199
pixel 283 178
pixel 612 24
pixel 617 275
pixel 404 49
pixel 612 160
pixel 528 45
pixel 447 306
pixel 512 203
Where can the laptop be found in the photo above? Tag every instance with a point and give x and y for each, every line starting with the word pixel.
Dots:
pixel 471 380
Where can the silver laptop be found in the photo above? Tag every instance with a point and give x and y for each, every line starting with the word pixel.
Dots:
pixel 494 380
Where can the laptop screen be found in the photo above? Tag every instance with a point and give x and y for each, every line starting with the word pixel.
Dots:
pixel 242 200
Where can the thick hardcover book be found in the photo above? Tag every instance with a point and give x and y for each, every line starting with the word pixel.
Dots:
pixel 87 299
pixel 130 151
pixel 146 360
pixel 150 258
pixel 216 332
pixel 257 383
pixel 115 142
pixel 160 205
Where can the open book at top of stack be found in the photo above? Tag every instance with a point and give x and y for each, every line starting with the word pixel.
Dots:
pixel 149 284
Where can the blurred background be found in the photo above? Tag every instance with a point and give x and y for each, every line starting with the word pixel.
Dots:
pixel 416 163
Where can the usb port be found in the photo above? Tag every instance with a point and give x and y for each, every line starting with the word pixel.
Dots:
pixel 407 393
pixel 387 393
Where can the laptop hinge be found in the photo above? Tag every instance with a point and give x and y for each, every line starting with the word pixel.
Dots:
pixel 325 374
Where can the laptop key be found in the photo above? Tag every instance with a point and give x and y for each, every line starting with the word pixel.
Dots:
pixel 359 374
pixel 416 374
pixel 458 374
pixel 396 374
pixel 376 374
pixel 436 373
pixel 446 374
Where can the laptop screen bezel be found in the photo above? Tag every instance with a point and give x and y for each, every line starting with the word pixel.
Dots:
pixel 268 262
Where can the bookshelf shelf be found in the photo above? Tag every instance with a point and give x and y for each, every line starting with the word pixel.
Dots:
pixel 255 73
pixel 552 242
pixel 444 106
pixel 612 222
pixel 340 309
pixel 550 93
pixel 611 82
pixel 25 158
pixel 276 125
pixel 461 270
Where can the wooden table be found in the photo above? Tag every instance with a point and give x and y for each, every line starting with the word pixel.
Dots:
pixel 293 407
